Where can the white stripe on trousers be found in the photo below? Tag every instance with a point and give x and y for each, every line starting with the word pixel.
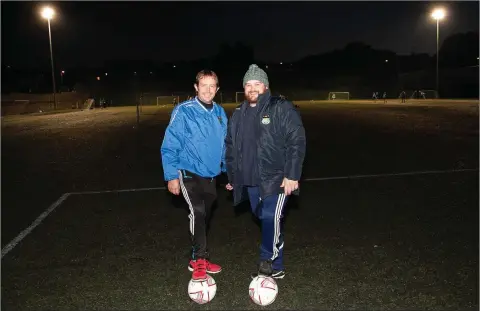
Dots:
pixel 190 206
pixel 277 225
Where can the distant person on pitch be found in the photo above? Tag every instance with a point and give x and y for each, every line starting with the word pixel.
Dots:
pixel 193 154
pixel 403 96
pixel 265 152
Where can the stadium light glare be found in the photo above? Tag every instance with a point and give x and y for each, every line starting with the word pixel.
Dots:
pixel 48 13
pixel 438 14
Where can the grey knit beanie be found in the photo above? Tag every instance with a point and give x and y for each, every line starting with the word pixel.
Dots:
pixel 255 73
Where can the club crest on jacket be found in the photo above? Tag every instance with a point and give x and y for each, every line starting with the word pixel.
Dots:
pixel 266 120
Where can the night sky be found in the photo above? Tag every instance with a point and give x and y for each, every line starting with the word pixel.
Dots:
pixel 89 33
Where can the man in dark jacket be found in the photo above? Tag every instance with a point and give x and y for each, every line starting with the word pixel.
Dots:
pixel 264 157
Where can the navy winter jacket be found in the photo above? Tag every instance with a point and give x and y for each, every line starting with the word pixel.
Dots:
pixel 281 145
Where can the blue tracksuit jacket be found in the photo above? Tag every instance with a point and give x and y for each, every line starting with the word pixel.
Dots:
pixel 195 140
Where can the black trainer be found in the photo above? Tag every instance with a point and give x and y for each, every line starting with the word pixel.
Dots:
pixel 265 268
pixel 280 274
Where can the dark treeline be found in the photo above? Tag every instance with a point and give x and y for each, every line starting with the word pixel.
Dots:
pixel 357 68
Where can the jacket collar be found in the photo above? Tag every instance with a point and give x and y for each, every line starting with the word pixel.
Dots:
pixel 263 99
pixel 198 101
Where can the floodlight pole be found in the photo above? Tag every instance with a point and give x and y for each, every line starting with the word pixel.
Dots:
pixel 51 60
pixel 438 91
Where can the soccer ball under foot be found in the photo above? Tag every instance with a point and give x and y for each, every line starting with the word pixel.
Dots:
pixel 202 291
pixel 263 290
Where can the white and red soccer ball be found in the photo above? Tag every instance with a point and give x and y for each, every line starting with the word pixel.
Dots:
pixel 202 291
pixel 263 290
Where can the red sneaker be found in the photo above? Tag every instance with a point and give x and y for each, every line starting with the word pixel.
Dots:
pixel 211 267
pixel 200 270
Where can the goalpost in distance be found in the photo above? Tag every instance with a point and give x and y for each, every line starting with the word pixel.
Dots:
pixel 167 100
pixel 338 95
pixel 239 97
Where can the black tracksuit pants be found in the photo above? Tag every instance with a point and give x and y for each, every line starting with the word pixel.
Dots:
pixel 200 193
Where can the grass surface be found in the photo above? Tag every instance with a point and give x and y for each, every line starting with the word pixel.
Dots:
pixel 405 242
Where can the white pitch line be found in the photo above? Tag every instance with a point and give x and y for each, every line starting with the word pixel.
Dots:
pixel 119 190
pixel 40 218
pixel 303 180
pixel 34 224
pixel 392 174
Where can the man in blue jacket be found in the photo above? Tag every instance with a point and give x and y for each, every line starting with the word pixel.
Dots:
pixel 265 152
pixel 193 154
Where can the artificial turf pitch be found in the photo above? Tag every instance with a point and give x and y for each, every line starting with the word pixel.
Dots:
pixel 372 242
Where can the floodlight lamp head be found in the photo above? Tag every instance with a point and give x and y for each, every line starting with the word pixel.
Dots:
pixel 48 13
pixel 438 14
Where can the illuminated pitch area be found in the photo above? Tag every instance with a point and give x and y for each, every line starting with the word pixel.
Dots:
pixel 129 249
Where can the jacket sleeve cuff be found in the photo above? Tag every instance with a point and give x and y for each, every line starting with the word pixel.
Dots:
pixel 292 173
pixel 170 177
